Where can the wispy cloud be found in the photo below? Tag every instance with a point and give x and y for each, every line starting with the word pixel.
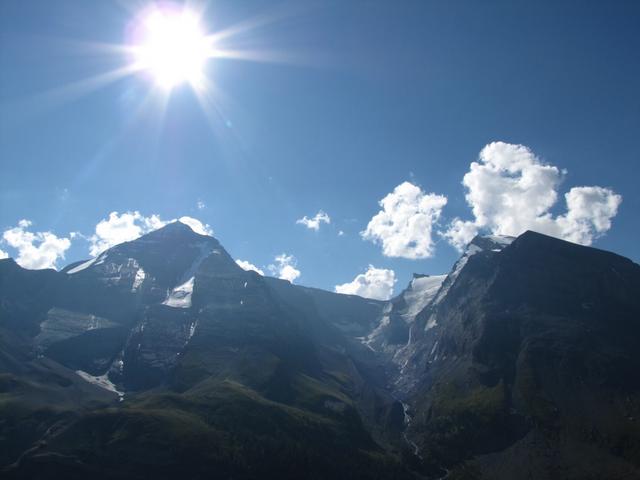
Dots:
pixel 314 222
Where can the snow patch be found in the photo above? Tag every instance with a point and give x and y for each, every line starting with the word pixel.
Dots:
pixel 137 280
pixel 180 296
pixel 420 293
pixel 502 240
pixel 192 329
pixel 119 364
pixel 101 381
pixel 99 260
pixel 433 350
pixel 82 266
pixel 431 323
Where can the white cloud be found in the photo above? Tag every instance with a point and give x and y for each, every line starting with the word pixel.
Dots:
pixel 510 191
pixel 249 266
pixel 404 225
pixel 35 250
pixel 285 267
pixel 3 254
pixel 460 233
pixel 196 225
pixel 589 213
pixel 375 283
pixel 119 228
pixel 314 222
pixel 340 233
pixel 201 205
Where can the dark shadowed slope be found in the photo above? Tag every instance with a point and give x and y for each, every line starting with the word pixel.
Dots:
pixel 532 366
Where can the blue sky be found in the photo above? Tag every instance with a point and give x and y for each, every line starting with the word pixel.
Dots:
pixel 342 104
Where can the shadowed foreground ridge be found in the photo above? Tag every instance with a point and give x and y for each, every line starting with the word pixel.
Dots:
pixel 162 358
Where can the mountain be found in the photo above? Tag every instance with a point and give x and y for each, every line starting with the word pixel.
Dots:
pixel 162 358
pixel 528 366
pixel 223 370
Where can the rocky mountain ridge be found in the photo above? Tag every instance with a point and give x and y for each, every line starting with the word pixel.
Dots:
pixel 460 374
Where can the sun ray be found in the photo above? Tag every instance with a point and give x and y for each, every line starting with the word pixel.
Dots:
pixel 209 98
pixel 152 97
pixel 262 55
pixel 24 108
pixel 175 50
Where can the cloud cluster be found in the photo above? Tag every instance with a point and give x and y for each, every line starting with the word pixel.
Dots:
pixel 119 228
pixel 285 267
pixel 3 254
pixel 510 190
pixel 35 250
pixel 44 249
pixel 248 266
pixel 314 222
pixel 405 224
pixel 376 283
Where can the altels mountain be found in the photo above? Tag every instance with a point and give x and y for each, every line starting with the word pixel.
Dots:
pixel 162 358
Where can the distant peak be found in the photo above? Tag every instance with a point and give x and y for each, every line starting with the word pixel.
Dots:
pixel 177 225
pixel 489 242
pixel 531 238
pixel 8 261
pixel 538 235
pixel 175 228
pixel 176 231
pixel 420 275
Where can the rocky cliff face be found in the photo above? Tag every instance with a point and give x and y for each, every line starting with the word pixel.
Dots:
pixel 525 354
pixel 529 360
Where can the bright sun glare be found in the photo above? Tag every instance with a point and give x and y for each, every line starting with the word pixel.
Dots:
pixel 172 47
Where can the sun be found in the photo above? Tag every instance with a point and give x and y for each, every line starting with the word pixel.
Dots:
pixel 171 47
